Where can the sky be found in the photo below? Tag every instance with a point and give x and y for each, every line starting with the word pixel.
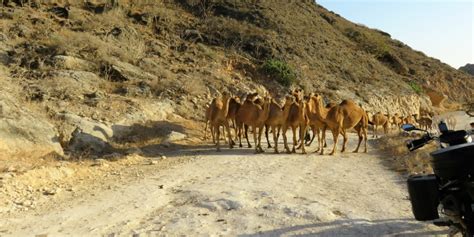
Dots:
pixel 441 29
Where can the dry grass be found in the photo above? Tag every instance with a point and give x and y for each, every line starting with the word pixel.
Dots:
pixel 398 157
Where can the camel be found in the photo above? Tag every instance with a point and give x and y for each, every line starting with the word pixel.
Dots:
pixel 277 118
pixel 397 121
pixel 254 116
pixel 297 118
pixel 425 123
pixel 249 99
pixel 451 122
pixel 317 114
pixel 260 102
pixel 234 105
pixel 207 120
pixel 380 119
pixel 345 116
pixel 410 119
pixel 218 117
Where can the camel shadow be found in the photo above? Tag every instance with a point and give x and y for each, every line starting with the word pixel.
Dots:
pixel 355 227
pixel 208 148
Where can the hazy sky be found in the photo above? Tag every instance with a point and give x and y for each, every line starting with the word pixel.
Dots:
pixel 441 29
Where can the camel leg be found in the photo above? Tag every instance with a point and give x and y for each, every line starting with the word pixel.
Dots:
pixel 285 140
pixel 275 139
pixel 344 142
pixel 374 127
pixel 228 123
pixel 319 140
pixel 255 138
pixel 302 134
pixel 335 136
pixel 229 136
pixel 235 129
pixel 213 134
pixel 323 139
pixel 266 136
pixel 260 131
pixel 293 150
pixel 218 137
pixel 359 133
pixel 246 128
pixel 299 140
pixel 315 131
pixel 239 131
pixel 364 130
pixel 278 132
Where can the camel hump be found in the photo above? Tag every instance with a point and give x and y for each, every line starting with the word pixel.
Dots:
pixel 348 102
pixel 330 105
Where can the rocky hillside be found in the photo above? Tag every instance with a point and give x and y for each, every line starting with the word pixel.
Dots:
pixel 468 68
pixel 108 69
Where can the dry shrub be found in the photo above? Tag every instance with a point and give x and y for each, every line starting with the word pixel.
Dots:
pixel 128 46
pixel 400 159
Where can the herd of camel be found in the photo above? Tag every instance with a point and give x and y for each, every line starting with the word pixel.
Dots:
pixel 298 112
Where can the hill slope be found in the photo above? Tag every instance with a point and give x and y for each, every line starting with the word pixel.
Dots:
pixel 121 63
pixel 468 68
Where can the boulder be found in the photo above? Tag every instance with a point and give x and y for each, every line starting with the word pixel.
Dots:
pixel 121 71
pixel 72 84
pixel 88 135
pixel 175 136
pixel 24 133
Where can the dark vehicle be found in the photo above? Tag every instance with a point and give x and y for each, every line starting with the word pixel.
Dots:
pixel 449 192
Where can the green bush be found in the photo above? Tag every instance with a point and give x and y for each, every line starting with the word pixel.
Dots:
pixel 281 71
pixel 416 88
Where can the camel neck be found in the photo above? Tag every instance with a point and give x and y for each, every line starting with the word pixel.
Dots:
pixel 225 108
pixel 321 112
pixel 286 109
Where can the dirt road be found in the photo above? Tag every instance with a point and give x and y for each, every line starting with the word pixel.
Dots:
pixel 236 192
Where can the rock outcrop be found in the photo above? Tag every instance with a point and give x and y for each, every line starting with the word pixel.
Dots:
pixel 24 132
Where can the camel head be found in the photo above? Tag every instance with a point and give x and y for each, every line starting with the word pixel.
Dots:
pixel 298 94
pixel 252 96
pixel 267 100
pixel 226 95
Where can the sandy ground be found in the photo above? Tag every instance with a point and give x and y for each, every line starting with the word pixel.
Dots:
pixel 235 193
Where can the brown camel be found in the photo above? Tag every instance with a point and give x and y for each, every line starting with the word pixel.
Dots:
pixel 410 119
pixel 345 116
pixel 451 121
pixel 254 116
pixel 249 100
pixel 380 119
pixel 277 118
pixel 297 118
pixel 425 123
pixel 234 105
pixel 208 120
pixel 397 121
pixel 260 102
pixel 317 114
pixel 218 115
